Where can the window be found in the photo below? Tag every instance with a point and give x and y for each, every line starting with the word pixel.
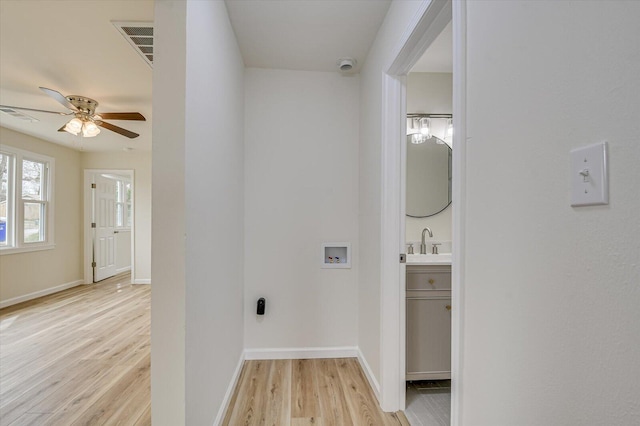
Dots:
pixel 34 202
pixel 26 201
pixel 123 204
pixel 6 199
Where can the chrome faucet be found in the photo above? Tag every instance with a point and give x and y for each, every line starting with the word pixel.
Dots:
pixel 423 246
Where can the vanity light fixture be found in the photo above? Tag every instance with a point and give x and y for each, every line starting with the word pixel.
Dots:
pixel 423 127
pixel 415 130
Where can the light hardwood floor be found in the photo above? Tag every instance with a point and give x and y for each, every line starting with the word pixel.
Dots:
pixel 318 392
pixel 78 357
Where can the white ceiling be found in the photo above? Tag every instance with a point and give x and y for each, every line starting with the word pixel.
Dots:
pixel 72 47
pixel 306 35
pixel 439 56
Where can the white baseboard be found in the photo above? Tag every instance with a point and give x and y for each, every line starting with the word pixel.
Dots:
pixel 125 269
pixel 36 294
pixel 229 394
pixel 369 374
pixel 141 281
pixel 301 353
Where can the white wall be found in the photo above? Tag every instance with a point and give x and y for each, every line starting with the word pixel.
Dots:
pixel 123 251
pixel 301 168
pixel 140 163
pixel 22 274
pixel 551 318
pixel 197 266
pixel 214 178
pixel 168 221
pixel 370 183
pixel 429 93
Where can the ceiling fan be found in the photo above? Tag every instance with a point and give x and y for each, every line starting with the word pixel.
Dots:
pixel 86 122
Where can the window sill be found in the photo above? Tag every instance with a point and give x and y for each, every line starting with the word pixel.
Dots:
pixel 27 249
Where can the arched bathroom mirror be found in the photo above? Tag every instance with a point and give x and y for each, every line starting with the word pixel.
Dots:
pixel 428 167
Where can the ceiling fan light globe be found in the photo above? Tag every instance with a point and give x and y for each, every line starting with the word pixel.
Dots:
pixel 74 126
pixel 90 129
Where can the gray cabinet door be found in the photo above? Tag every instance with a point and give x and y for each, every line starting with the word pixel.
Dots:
pixel 428 338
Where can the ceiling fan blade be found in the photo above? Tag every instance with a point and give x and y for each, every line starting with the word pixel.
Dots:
pixel 120 130
pixel 59 97
pixel 122 116
pixel 36 110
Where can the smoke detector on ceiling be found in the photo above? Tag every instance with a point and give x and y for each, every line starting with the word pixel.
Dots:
pixel 346 64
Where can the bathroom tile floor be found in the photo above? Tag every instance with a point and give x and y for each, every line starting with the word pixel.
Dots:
pixel 429 403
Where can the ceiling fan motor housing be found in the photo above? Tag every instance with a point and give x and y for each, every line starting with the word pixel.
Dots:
pixel 85 105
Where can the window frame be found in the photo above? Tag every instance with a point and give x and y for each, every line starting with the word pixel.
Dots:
pixel 16 203
pixel 10 207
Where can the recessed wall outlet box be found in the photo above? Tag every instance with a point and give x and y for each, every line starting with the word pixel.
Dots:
pixel 336 256
pixel 589 175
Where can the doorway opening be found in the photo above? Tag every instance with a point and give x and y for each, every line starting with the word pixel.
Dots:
pixel 108 224
pixel 430 21
pixel 428 233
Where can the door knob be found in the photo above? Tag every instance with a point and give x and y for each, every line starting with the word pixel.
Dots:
pixel 448 307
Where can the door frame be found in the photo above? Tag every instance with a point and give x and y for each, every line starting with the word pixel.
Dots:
pixel 88 209
pixel 431 17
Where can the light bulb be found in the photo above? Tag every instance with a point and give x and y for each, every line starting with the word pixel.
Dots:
pixel 418 138
pixel 411 128
pixel 89 129
pixel 425 125
pixel 74 126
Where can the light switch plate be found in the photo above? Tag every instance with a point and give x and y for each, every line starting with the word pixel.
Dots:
pixel 589 175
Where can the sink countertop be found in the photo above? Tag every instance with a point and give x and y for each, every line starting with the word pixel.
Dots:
pixel 429 259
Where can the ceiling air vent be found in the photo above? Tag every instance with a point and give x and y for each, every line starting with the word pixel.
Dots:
pixel 140 37
pixel 18 115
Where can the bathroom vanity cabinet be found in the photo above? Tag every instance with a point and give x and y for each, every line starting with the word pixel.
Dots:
pixel 428 322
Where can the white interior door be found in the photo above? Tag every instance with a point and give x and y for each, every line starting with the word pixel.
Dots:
pixel 104 218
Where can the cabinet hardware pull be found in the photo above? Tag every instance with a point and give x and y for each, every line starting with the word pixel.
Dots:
pixel 431 281
pixel 448 307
